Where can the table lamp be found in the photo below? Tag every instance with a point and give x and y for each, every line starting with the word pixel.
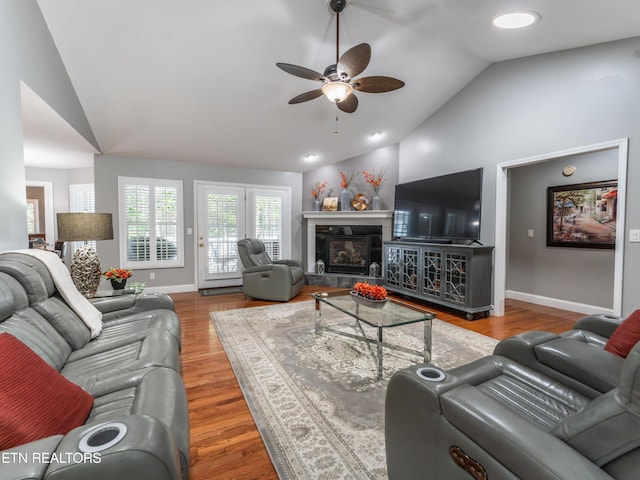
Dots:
pixel 85 264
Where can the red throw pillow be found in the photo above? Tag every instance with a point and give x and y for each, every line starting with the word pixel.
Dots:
pixel 35 400
pixel 625 336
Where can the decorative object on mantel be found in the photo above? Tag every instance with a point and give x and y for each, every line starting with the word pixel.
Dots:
pixel 345 196
pixel 375 180
pixel 118 277
pixel 374 296
pixel 320 266
pixel 360 202
pixel 316 190
pixel 330 204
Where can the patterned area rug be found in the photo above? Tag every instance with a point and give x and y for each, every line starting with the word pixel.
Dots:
pixel 315 398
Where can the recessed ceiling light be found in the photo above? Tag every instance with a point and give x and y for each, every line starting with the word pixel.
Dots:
pixel 310 157
pixel 516 20
pixel 376 135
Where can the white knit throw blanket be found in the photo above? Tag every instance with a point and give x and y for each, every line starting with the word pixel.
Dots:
pixel 89 314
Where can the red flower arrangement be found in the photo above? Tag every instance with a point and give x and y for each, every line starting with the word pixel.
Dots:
pixel 372 292
pixel 117 274
pixel 374 179
pixel 346 179
pixel 318 188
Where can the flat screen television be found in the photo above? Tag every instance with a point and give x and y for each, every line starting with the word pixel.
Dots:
pixel 440 209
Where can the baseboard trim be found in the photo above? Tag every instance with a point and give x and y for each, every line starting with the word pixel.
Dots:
pixel 172 289
pixel 557 303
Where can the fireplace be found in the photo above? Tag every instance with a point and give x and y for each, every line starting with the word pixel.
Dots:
pixel 348 254
pixel 349 249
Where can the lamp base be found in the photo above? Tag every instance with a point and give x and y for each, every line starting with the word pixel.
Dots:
pixel 85 270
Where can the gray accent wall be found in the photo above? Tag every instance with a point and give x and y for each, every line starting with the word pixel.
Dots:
pixel 534 106
pixel 382 158
pixel 28 55
pixel 586 274
pixel 108 168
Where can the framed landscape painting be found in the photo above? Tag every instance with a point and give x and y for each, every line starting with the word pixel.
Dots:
pixel 330 204
pixel 582 215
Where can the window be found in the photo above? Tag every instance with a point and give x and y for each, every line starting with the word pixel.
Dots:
pixel 33 225
pixel 82 199
pixel 267 213
pixel 150 223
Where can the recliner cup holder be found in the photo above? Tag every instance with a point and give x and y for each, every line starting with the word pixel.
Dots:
pixel 102 437
pixel 431 374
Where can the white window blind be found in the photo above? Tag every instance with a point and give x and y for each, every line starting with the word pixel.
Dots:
pixel 151 220
pixel 82 199
pixel 268 223
pixel 32 216
pixel 222 231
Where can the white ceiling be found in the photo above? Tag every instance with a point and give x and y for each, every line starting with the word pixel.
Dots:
pixel 196 80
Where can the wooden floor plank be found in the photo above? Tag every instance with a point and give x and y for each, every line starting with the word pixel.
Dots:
pixel 225 443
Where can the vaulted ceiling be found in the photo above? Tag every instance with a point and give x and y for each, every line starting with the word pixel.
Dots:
pixel 196 80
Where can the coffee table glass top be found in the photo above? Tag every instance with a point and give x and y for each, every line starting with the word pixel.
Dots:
pixel 393 313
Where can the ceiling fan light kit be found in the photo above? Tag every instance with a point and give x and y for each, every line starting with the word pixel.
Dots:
pixel 337 91
pixel 338 79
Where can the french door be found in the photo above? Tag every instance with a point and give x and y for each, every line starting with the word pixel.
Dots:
pixel 227 213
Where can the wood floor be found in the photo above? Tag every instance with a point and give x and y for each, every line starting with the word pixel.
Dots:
pixel 225 443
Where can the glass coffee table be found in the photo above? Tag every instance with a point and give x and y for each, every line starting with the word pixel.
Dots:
pixel 393 314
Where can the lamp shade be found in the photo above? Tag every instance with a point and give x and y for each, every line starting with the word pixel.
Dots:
pixel 82 227
pixel 337 91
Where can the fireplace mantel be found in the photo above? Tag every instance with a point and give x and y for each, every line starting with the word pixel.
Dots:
pixel 383 218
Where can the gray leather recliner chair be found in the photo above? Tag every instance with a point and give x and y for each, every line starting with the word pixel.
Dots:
pixel 265 279
pixel 497 419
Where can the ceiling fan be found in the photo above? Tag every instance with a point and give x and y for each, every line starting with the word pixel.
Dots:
pixel 338 79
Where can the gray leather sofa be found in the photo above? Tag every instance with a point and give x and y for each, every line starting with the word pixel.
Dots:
pixel 131 369
pixel 262 278
pixel 498 418
pixel 576 358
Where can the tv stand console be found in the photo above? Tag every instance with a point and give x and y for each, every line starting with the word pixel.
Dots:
pixel 457 276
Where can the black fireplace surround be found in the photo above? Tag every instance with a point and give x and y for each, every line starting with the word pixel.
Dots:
pixel 349 249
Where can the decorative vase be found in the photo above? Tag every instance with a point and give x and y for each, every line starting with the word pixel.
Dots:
pixel 345 200
pixel 368 301
pixel 116 285
pixel 375 202
pixel 316 204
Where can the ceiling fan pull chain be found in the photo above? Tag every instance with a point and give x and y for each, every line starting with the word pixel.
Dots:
pixel 337 132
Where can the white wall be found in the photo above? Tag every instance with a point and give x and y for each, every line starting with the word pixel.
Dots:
pixel 532 106
pixel 29 55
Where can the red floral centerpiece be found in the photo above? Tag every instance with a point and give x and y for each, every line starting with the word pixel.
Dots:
pixel 370 295
pixel 118 277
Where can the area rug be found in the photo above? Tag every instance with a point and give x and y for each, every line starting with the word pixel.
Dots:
pixel 315 398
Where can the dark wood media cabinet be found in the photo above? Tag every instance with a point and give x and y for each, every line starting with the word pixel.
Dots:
pixel 456 276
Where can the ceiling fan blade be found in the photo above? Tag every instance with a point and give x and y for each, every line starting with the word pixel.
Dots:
pixel 301 71
pixel 377 84
pixel 355 60
pixel 305 97
pixel 349 104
